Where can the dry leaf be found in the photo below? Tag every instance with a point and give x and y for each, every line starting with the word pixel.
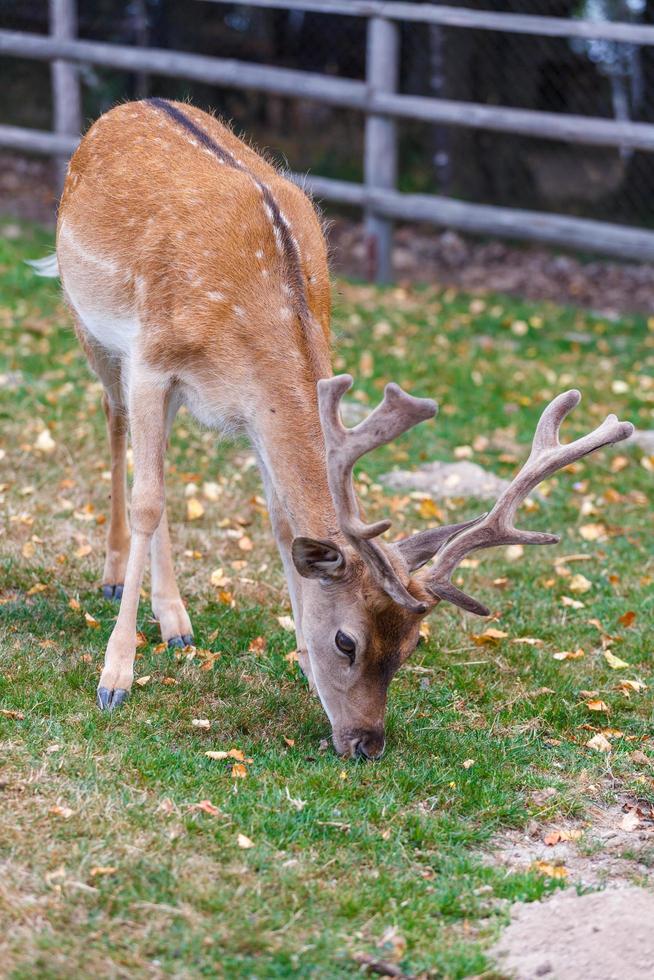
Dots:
pixel 569 654
pixel 599 742
pixel 627 618
pixel 64 812
pixel 102 870
pixel 593 532
pixel 514 552
pixel 286 623
pixel 572 603
pixel 244 842
pixel 529 641
pixel 579 583
pixel 257 645
pixel 83 551
pixel 206 806
pixel 239 771
pixel 245 543
pixel 90 621
pixel 550 870
pixel 194 509
pixel 142 681
pixel 639 757
pixel 74 604
pixel 202 723
pixel 468 763
pixel 614 662
pixel 595 704
pixel 628 686
pixel 289 741
pixel 489 636
pixel 429 510
pixel 45 443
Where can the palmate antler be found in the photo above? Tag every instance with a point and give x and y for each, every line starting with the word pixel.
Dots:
pixel 496 528
pixel 399 412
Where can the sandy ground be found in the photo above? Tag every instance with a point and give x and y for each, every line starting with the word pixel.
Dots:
pixel 606 935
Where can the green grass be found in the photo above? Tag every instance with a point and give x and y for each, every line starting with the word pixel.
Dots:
pixel 364 849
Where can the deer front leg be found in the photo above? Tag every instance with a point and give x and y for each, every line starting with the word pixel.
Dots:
pixel 147 423
pixel 167 605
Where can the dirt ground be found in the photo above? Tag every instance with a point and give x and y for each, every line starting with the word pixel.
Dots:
pixel 600 936
pixel 27 192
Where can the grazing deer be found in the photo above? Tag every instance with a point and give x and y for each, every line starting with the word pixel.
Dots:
pixel 197 276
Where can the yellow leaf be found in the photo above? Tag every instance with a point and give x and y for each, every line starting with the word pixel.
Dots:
pixel 90 621
pixel 194 509
pixel 614 662
pixel 429 510
pixel 627 686
pixel 239 771
pixel 593 532
pixel 550 870
pixel 579 583
pixel 489 636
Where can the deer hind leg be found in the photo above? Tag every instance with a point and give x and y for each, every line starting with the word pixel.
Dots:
pixel 147 420
pixel 167 605
pixel 108 368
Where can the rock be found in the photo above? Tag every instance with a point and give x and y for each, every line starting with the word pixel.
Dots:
pixel 604 935
pixel 644 438
pixel 441 480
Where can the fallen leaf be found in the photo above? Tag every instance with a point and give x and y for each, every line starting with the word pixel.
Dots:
pixel 45 443
pixel 257 645
pixel 593 532
pixel 569 654
pixel 489 636
pixel 627 618
pixel 102 870
pixel 579 583
pixel 514 552
pixel 429 510
pixel 286 623
pixel 202 723
pixel 239 771
pixel 206 806
pixel 599 742
pixel 289 741
pixel 12 713
pixel 639 757
pixel 244 842
pixel 142 681
pixel 572 603
pixel 614 662
pixel 628 686
pixel 194 509
pixel 245 543
pixel 530 641
pixel 64 812
pixel 468 763
pixel 91 621
pixel 74 604
pixel 229 754
pixel 556 871
pixel 291 657
pixel 595 704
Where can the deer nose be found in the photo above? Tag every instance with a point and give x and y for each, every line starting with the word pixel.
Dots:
pixel 371 745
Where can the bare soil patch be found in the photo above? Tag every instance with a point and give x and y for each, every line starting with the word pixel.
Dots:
pixel 604 936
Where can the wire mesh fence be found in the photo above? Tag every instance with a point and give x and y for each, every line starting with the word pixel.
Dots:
pixel 596 78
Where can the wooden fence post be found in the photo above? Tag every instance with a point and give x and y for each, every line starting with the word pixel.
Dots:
pixel 380 164
pixel 66 94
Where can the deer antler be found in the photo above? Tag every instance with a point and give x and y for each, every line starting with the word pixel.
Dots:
pixel 397 413
pixel 496 528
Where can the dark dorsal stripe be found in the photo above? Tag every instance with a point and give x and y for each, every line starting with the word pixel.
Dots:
pixel 289 245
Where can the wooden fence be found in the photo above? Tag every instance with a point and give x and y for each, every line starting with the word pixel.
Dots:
pixel 377 98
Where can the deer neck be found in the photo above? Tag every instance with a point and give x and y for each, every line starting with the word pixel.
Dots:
pixel 290 444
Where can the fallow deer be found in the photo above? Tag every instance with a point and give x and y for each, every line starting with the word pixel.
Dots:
pixel 197 275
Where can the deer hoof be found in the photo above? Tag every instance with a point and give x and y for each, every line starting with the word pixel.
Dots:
pixel 112 591
pixel 109 700
pixel 181 641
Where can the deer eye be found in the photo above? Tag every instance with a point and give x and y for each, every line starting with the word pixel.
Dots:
pixel 346 645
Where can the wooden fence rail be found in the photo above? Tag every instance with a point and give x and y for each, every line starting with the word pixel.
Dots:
pixel 378 99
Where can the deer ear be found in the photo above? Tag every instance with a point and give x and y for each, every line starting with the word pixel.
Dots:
pixel 423 545
pixel 314 558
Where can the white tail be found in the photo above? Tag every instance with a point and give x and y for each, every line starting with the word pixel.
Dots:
pixel 48 266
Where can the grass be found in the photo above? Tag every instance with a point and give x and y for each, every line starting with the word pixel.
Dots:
pixel 107 864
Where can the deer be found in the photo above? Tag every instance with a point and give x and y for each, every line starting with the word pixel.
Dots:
pixel 196 274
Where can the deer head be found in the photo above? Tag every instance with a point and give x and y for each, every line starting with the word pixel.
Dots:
pixel 364 598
